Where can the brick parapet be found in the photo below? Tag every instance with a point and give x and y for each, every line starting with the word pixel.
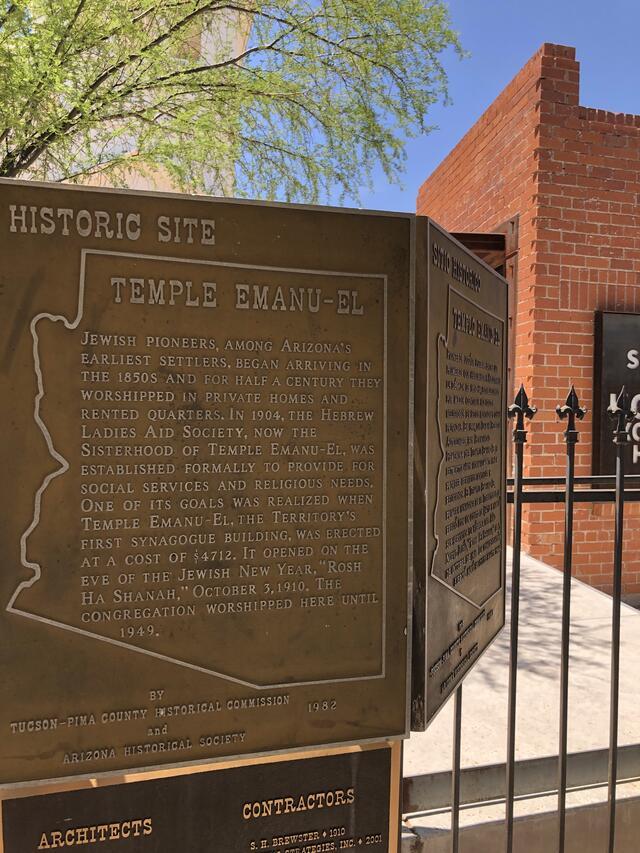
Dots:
pixel 572 174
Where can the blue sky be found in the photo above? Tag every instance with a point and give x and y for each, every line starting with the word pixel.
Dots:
pixel 501 35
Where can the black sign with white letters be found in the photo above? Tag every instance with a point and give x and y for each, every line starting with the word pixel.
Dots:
pixel 617 363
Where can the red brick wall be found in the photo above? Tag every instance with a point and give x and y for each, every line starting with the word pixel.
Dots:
pixel 573 176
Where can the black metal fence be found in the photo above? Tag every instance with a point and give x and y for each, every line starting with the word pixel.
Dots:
pixel 569 490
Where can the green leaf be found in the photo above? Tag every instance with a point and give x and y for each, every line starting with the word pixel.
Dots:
pixel 295 100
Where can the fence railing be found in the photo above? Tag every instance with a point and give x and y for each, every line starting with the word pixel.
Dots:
pixel 568 490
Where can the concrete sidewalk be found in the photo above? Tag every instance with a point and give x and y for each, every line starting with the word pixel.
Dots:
pixel 484 726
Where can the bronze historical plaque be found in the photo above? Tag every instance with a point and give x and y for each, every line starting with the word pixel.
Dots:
pixel 461 350
pixel 204 526
pixel 318 804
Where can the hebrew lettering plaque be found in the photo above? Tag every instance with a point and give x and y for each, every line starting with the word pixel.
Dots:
pixel 460 467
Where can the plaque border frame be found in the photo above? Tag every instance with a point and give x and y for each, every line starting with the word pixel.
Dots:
pixel 503 567
pixel 71 325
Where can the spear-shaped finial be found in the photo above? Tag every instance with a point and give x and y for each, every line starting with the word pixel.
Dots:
pixel 622 412
pixel 571 410
pixel 520 409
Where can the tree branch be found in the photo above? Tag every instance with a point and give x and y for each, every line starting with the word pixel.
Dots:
pixel 11 165
pixel 11 8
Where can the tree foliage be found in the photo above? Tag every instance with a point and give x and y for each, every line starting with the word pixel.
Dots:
pixel 292 98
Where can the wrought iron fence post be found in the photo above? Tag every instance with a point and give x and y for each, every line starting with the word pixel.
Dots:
pixel 519 409
pixel 571 411
pixel 622 413
pixel 455 771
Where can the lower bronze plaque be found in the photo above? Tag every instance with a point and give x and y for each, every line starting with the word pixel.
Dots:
pixel 459 542
pixel 204 534
pixel 309 805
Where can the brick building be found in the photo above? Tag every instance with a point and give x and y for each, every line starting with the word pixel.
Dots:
pixel 565 181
